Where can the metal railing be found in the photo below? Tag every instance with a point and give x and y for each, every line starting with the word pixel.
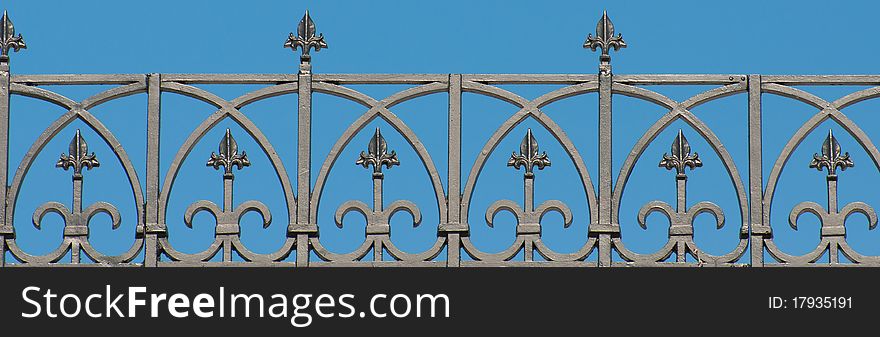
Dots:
pixel 603 241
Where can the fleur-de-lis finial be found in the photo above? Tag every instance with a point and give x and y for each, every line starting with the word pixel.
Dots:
pixel 78 156
pixel 8 40
pixel 305 38
pixel 831 158
pixel 605 38
pixel 228 155
pixel 377 155
pixel 528 155
pixel 681 156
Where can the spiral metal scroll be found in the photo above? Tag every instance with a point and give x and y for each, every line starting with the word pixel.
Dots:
pixel 378 230
pixel 681 217
pixel 375 158
pixel 75 218
pixel 227 236
pixel 833 232
pixel 528 228
pixel 529 109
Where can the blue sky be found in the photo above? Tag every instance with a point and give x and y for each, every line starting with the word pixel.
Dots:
pixel 743 37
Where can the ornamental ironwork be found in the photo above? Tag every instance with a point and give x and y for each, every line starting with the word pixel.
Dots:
pixel 227 229
pixel 378 230
pixel 454 245
pixel 8 40
pixel 76 219
pixel 833 233
pixel 681 217
pixel 605 41
pixel 377 155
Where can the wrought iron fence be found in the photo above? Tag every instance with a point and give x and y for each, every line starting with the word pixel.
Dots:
pixel 603 241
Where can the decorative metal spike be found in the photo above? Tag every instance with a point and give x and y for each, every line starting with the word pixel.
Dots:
pixel 8 40
pixel 305 38
pixel 681 156
pixel 831 158
pixel 604 39
pixel 528 155
pixel 78 156
pixel 228 156
pixel 377 154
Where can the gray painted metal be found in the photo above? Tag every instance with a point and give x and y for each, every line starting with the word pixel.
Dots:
pixel 453 200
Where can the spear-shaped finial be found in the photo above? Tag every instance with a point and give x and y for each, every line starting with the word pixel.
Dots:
pixel 78 156
pixel 305 38
pixel 8 40
pixel 528 155
pixel 605 40
pixel 831 158
pixel 228 156
pixel 681 156
pixel 377 155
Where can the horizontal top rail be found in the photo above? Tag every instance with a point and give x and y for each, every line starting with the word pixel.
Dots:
pixel 822 79
pixel 632 79
pixel 682 79
pixel 78 79
pixel 229 78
